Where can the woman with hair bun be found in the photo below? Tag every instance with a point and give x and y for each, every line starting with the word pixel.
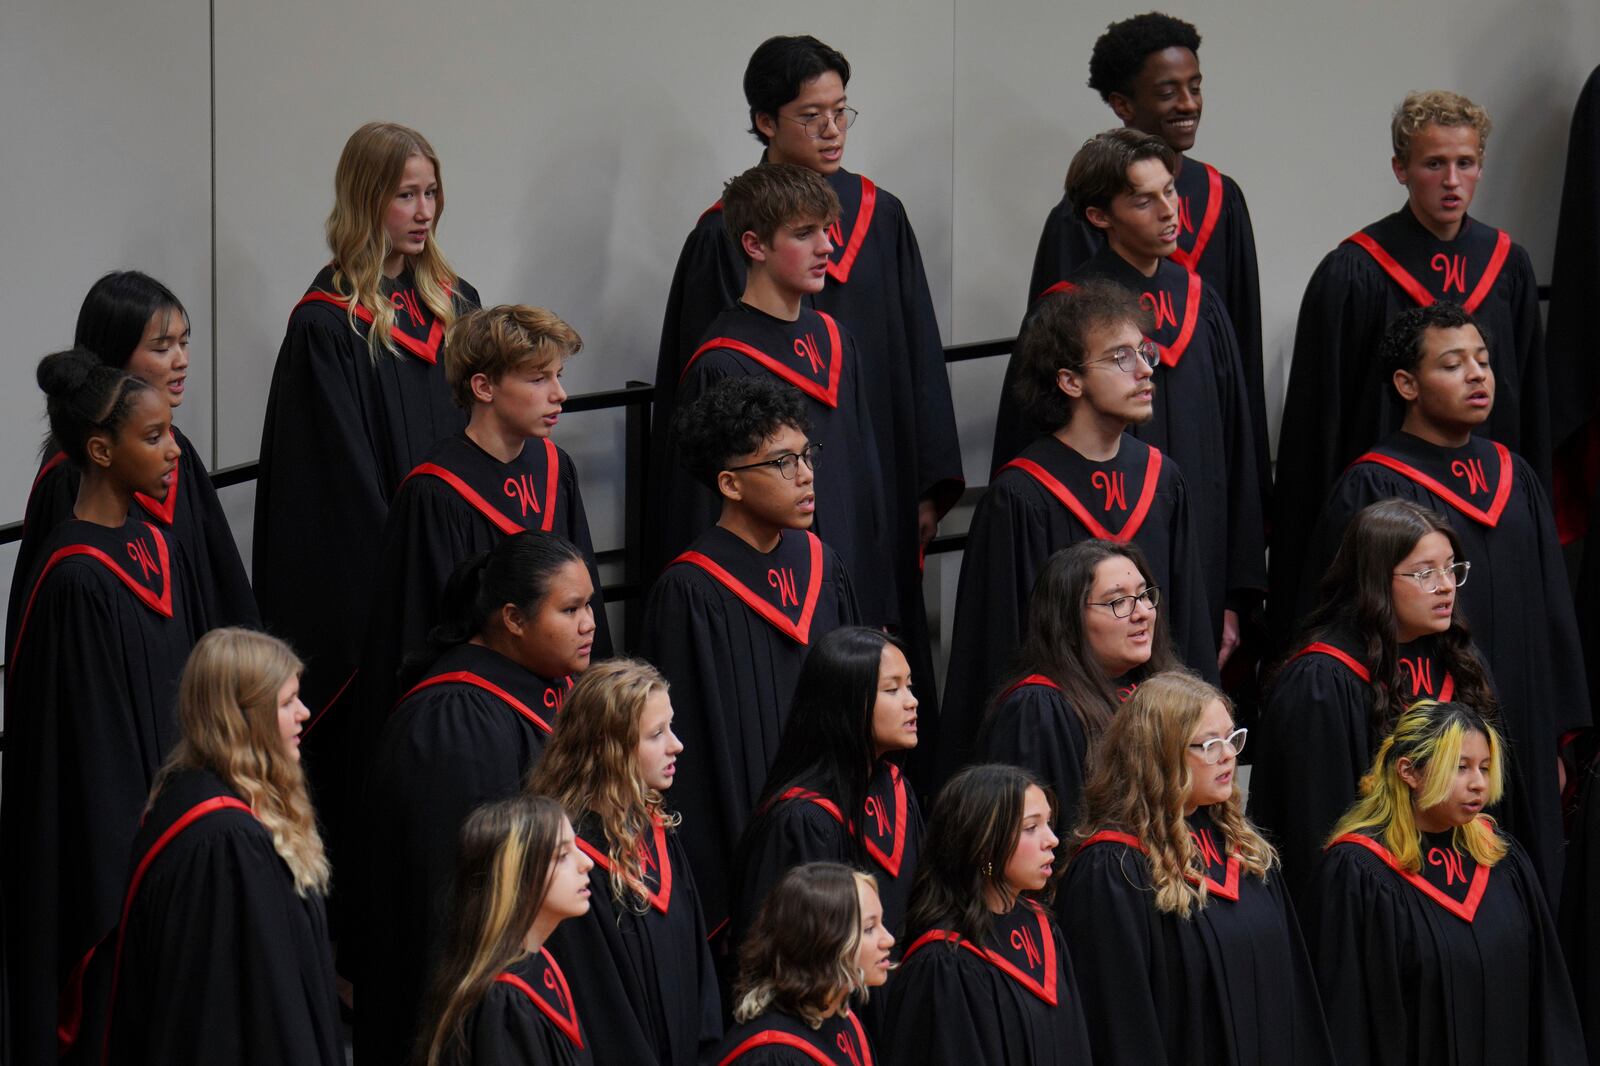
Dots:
pixel 986 980
pixel 1432 940
pixel 135 323
pixel 482 700
pixel 1172 903
pixel 222 952
pixel 91 680
pixel 818 946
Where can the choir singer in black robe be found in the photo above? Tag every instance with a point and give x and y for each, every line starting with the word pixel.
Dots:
pixel 818 947
pixel 105 626
pixel 729 622
pixel 1517 602
pixel 482 699
pixel 1432 941
pixel 500 997
pixel 222 952
pixel 1147 70
pixel 1580 906
pixel 986 980
pixel 1172 904
pixel 876 287
pixel 1084 367
pixel 641 950
pixel 1339 402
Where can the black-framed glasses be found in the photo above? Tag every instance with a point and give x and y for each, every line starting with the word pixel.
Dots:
pixel 817 125
pixel 787 465
pixel 1122 606
pixel 1124 357
pixel 1439 578
pixel 1211 751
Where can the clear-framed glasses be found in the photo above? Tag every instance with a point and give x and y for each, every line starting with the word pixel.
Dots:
pixel 817 125
pixel 1124 357
pixel 1439 578
pixel 1212 751
pixel 788 465
pixel 1122 606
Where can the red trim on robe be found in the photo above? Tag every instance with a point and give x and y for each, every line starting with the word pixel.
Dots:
pixel 1046 991
pixel 466 677
pixel 799 632
pixel 567 1023
pixel 1414 288
pixel 771 1037
pixel 161 604
pixel 1031 679
pixel 828 395
pixel 1228 889
pixel 1130 528
pixel 891 861
pixel 840 271
pixel 427 351
pixel 1208 224
pixel 1502 492
pixel 500 521
pixel 1465 910
pixel 661 898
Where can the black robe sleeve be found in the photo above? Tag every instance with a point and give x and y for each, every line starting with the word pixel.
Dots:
pixel 1246 559
pixel 792 834
pixel 941 1013
pixel 1580 909
pixel 505 1029
pixel 1242 286
pixel 1575 276
pixel 1035 729
pixel 50 503
pixel 225 596
pixel 938 475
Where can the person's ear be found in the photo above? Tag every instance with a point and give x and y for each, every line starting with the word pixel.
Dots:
pixel 767 125
pixel 1409 772
pixel 1121 106
pixel 728 485
pixel 482 388
pixel 1406 384
pixel 1069 383
pixel 99 448
pixel 754 249
pixel 1099 218
pixel 1399 168
pixel 512 618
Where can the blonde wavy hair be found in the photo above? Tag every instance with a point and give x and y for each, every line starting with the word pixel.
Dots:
pixel 1430 735
pixel 800 955
pixel 1435 107
pixel 364 184
pixel 591 766
pixel 228 712
pixel 1140 781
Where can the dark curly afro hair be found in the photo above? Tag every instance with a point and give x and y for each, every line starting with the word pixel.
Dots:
pixel 731 419
pixel 1120 52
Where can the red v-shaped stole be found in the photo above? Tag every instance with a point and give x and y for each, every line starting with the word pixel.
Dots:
pixel 1502 492
pixel 1130 528
pixel 799 632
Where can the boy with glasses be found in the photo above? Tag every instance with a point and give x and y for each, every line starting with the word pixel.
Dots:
pixel 1084 367
pixel 730 620
pixel 778 215
pixel 1121 183
pixel 1438 361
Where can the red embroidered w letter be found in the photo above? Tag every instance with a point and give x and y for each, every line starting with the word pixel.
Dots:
pixel 1420 672
pixel 1454 269
pixel 1115 485
pixel 783 580
pixel 139 552
pixel 520 488
pixel 1472 470
pixel 1160 305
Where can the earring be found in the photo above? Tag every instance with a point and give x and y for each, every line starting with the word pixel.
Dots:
pixel 988 869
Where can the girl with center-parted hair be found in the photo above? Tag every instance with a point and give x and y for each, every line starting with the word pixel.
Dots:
pixel 358 399
pixel 836 791
pixel 818 943
pixel 1095 630
pixel 1387 630
pixel 1172 903
pixel 481 701
pixel 222 953
pixel 641 951
pixel 135 323
pixel 107 622
pixel 986 978
pixel 499 997
pixel 1432 940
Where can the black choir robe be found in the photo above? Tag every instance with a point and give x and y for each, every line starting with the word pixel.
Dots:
pixel 1516 600
pixel 1202 420
pixel 1049 498
pixel 1315 739
pixel 1580 908
pixel 804 825
pixel 529 1018
pixel 779 1039
pixel 816 355
pixel 1011 1001
pixel 1216 241
pixel 342 430
pixel 1456 965
pixel 876 288
pixel 218 958
pixel 646 960
pixel 458 502
pixel 1574 275
pixel 729 627
pixel 1230 984
pixel 466 734
pixel 191 514
pixel 1032 726
pixel 1340 399
pixel 91 714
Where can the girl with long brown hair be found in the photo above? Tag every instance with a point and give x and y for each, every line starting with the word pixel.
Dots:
pixel 222 952
pixel 499 995
pixel 642 949
pixel 1172 903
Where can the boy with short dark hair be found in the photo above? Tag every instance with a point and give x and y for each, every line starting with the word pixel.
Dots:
pixel 1517 599
pixel 1084 368
pixel 730 620
pixel 778 216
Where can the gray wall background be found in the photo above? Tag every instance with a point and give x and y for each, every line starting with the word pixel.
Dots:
pixel 196 141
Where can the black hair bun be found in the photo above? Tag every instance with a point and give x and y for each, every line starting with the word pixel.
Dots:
pixel 65 373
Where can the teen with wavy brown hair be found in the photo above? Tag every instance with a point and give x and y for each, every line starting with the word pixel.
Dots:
pixel 986 978
pixel 1172 902
pixel 358 399
pixel 817 947
pixel 1432 940
pixel 499 995
pixel 222 953
pixel 642 948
